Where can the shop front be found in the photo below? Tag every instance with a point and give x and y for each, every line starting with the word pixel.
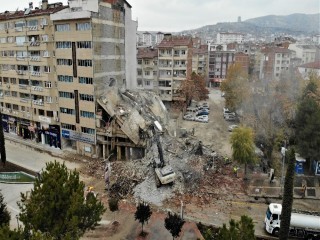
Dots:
pixel 50 135
pixel 22 129
pixel 5 125
pixel 12 125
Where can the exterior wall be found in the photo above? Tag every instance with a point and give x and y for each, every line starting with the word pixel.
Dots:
pixel 307 53
pixel 130 49
pixel 230 37
pixel 27 88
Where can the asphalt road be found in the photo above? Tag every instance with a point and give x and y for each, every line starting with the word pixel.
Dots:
pixel 30 159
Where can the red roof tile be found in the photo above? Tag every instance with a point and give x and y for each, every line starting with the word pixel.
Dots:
pixel 175 41
pixel 35 12
pixel 313 65
pixel 147 53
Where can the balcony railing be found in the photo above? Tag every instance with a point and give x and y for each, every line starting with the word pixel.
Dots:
pixel 24 100
pixel 35 44
pixel 21 72
pixel 37 88
pixel 32 28
pixel 23 86
pixel 38 102
pixel 35 73
pixel 35 58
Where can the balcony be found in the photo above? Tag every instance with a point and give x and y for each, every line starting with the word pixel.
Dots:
pixel 35 58
pixel 21 72
pixel 23 86
pixel 37 88
pixel 35 73
pixel 38 102
pixel 35 44
pixel 32 28
pixel 24 100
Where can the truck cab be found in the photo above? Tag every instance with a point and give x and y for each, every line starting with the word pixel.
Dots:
pixel 273 218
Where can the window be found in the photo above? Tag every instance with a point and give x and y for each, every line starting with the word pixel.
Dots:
pixel 147 83
pixel 63 27
pixel 147 73
pixel 65 78
pixel 84 44
pixel 67 111
pixel 45 38
pixel 13 81
pixel 4 53
pixel 3 40
pixel 146 62
pixel 85 80
pixel 32 23
pixel 83 26
pixel 86 97
pixel 47 84
pixel 85 63
pixel 45 53
pixel 139 72
pixel 11 39
pixel 87 130
pixel 139 61
pixel 22 54
pixel 63 44
pixel 47 69
pixel 66 95
pixel 20 40
pixel 86 114
pixel 48 99
pixel 67 62
pixel 14 94
pixel 68 126
pixel 11 53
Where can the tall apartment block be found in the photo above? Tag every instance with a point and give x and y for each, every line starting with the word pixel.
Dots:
pixel 56 63
pixel 274 62
pixel 147 68
pixel 174 64
pixel 200 61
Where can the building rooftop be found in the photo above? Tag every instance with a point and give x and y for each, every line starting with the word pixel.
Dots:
pixel 313 65
pixel 147 52
pixel 275 50
pixel 172 41
pixel 52 8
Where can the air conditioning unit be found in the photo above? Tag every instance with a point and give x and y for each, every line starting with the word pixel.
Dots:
pixel 42 26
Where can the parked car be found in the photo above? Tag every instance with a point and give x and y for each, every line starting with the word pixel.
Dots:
pixel 202 112
pixel 232 127
pixel 202 118
pixel 230 117
pixel 192 109
pixel 204 107
pixel 223 94
pixel 189 117
pixel 226 112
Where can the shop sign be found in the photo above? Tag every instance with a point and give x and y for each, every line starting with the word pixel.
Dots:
pixel 79 136
pixel 45 119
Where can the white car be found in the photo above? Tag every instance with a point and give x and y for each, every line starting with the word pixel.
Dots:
pixel 232 127
pixel 230 117
pixel 189 117
pixel 202 118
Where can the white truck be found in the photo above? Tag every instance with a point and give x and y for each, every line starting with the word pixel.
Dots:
pixel 302 225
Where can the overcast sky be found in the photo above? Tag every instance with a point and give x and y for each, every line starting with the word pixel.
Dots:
pixel 178 15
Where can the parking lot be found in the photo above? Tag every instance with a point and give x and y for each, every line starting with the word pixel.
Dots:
pixel 215 132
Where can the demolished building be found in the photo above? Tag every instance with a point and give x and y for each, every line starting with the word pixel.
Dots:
pixel 125 120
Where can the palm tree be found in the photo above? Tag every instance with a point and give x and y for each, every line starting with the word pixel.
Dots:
pixel 243 146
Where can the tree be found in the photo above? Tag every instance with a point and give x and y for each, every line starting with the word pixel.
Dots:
pixel 4 213
pixel 193 88
pixel 241 230
pixel 243 146
pixel 287 197
pixel 143 213
pixel 57 205
pixel 235 86
pixel 2 144
pixel 307 123
pixel 173 223
pixel 113 205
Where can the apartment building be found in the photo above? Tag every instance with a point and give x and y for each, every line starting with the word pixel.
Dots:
pixel 200 61
pixel 57 64
pixel 274 62
pixel 243 60
pixel 174 64
pixel 307 53
pixel 28 93
pixel 147 39
pixel 226 37
pixel 147 68
pixel 219 61
pixel 306 69
pixel 159 37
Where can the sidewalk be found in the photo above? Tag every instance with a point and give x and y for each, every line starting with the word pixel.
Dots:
pixel 260 186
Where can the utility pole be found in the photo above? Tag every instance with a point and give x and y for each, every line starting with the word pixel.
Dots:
pixel 283 153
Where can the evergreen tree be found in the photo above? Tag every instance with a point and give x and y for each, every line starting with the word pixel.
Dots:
pixel 2 143
pixel 173 224
pixel 287 197
pixel 4 213
pixel 243 146
pixel 241 230
pixel 57 205
pixel 307 123
pixel 143 213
